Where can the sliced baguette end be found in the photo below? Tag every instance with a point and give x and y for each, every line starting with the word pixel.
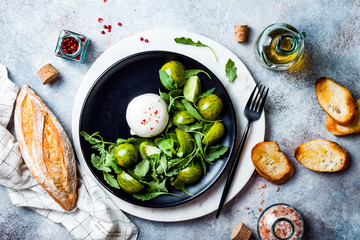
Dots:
pixel 322 156
pixel 336 101
pixel 271 163
pixel 339 130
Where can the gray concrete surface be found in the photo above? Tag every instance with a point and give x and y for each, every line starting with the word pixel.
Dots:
pixel 329 202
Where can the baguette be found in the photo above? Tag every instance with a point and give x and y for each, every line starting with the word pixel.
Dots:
pixel 322 156
pixel 271 163
pixel 336 100
pixel 45 148
pixel 339 130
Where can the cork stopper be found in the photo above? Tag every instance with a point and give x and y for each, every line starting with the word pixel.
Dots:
pixel 241 232
pixel 47 73
pixel 241 32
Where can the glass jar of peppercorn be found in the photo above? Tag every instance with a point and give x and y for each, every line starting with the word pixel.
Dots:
pixel 71 45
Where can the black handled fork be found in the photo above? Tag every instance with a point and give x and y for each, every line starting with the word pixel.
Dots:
pixel 252 112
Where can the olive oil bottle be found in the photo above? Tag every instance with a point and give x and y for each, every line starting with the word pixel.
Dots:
pixel 279 46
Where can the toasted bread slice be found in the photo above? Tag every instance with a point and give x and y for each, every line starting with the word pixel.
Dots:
pixel 339 130
pixel 336 100
pixel 322 156
pixel 271 163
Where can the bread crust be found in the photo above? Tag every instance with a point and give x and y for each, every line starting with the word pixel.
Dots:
pixel 339 130
pixel 45 148
pixel 326 96
pixel 258 151
pixel 301 152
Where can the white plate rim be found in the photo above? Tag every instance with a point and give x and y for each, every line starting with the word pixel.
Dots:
pixel 239 91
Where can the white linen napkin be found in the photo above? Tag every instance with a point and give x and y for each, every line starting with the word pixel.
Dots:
pixel 96 215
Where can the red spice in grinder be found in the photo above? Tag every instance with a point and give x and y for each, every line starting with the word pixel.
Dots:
pixel 280 221
pixel 71 46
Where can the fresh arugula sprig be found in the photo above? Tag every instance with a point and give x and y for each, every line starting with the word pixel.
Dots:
pixel 168 82
pixel 193 112
pixel 189 41
pixel 193 72
pixel 230 70
pixel 207 93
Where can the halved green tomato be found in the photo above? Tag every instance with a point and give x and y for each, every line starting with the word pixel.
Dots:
pixel 215 133
pixel 191 174
pixel 175 70
pixel 126 154
pixel 182 117
pixel 128 183
pixel 186 142
pixel 147 149
pixel 210 107
pixel 192 88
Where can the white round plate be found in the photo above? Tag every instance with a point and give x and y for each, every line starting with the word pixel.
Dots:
pixel 239 92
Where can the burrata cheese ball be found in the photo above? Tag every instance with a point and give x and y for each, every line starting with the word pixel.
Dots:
pixel 147 115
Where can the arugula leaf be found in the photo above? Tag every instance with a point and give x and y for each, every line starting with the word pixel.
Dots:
pixel 178 184
pixel 97 162
pixel 110 179
pixel 151 195
pixel 94 139
pixel 142 168
pixel 203 164
pixel 109 161
pixel 165 96
pixel 116 168
pixel 172 94
pixel 215 152
pixel 129 140
pixel 193 72
pixel 175 103
pixel 207 93
pixel 175 93
pixel 192 111
pixel 162 165
pixel 166 145
pixel 153 160
pixel 90 138
pixel 172 135
pixel 169 125
pixel 190 128
pixel 197 137
pixel 157 185
pixel 230 70
pixel 189 41
pixel 168 82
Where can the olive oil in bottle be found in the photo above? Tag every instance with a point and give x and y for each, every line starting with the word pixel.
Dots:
pixel 279 46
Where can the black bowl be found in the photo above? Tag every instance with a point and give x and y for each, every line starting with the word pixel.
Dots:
pixel 105 107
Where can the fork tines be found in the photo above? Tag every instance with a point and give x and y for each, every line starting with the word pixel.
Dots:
pixel 257 102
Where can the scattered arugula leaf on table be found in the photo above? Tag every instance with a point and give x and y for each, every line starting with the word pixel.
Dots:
pixel 189 41
pixel 230 70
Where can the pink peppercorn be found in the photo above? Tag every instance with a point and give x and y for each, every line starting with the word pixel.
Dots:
pixel 146 40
